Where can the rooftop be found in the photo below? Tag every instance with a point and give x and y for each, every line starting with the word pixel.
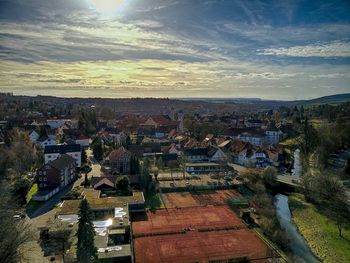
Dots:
pixel 202 164
pixel 62 148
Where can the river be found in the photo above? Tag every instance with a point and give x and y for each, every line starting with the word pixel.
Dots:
pixel 297 243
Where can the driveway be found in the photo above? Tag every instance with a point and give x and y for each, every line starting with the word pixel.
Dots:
pixel 95 165
pixel 52 202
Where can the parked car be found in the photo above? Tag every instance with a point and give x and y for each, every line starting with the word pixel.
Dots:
pixel 18 217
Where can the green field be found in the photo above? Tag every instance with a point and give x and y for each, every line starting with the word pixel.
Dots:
pixel 320 232
pixel 154 201
pixel 291 142
pixel 318 123
pixel 33 190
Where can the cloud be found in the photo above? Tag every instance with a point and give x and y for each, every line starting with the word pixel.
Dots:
pixel 334 49
pixel 175 49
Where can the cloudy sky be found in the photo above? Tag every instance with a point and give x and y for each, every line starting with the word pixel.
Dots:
pixel 175 48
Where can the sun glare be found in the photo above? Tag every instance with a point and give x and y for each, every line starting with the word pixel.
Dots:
pixel 107 6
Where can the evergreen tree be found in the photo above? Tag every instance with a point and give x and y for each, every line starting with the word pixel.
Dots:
pixel 83 156
pixel 86 250
pixel 127 142
pixel 97 149
pixel 309 138
pixel 134 165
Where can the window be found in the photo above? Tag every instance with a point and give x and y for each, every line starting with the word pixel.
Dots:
pixel 40 179
pixel 44 173
pixel 40 173
pixel 45 179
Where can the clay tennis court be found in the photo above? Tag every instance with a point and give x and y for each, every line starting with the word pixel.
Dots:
pixel 177 219
pixel 194 246
pixel 202 198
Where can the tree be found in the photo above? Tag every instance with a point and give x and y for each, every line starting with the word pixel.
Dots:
pixel 42 132
pixel 309 138
pixel 83 156
pixel 134 165
pixel 21 186
pixel 86 169
pixel 269 176
pixel 13 233
pixel 127 142
pixel 307 181
pixel 347 169
pixel 122 184
pixel 340 210
pixel 331 194
pixel 97 149
pixel 86 250
pixel 160 163
pixel 155 172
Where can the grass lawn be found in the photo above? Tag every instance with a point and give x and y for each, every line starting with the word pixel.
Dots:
pixel 291 142
pixel 318 123
pixel 31 204
pixel 320 232
pixel 32 192
pixel 154 201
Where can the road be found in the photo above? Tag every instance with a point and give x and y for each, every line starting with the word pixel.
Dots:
pixel 95 165
pixel 289 180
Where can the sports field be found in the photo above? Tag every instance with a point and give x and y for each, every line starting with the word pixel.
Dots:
pixel 202 198
pixel 194 246
pixel 177 219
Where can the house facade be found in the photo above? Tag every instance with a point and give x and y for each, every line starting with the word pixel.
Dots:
pixel 46 141
pixel 53 152
pixel 57 173
pixel 119 161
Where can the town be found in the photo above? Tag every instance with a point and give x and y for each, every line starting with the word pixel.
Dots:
pixel 168 181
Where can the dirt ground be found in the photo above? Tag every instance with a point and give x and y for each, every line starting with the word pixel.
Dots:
pixel 202 198
pixel 201 247
pixel 195 218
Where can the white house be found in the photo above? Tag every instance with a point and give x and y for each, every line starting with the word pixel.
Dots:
pixel 217 155
pixel 53 152
pixel 46 141
pixel 273 136
pixel 83 141
pixel 33 136
pixel 255 139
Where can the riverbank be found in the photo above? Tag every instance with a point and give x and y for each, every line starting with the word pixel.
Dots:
pixel 320 232
pixel 301 252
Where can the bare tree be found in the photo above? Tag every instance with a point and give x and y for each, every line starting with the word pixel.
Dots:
pixel 13 233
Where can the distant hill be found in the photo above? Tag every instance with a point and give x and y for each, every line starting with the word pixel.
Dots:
pixel 332 99
pixel 188 105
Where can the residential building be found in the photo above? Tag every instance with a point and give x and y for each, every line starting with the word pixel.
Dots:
pixel 119 161
pixel 52 152
pixel 33 136
pixel 46 141
pixel 55 175
pixel 84 141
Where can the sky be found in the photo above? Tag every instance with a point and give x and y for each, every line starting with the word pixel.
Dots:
pixel 175 48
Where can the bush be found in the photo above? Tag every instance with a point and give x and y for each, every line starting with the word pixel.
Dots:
pixel 122 184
